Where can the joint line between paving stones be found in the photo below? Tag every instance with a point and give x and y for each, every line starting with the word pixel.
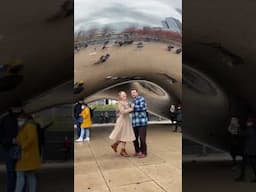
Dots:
pixel 98 165
pixel 149 176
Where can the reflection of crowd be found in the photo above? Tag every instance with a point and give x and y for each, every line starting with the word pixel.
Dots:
pixel 104 117
pixel 79 46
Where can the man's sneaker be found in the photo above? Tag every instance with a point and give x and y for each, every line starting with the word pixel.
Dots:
pixel 79 140
pixel 136 154
pixel 141 156
pixel 87 139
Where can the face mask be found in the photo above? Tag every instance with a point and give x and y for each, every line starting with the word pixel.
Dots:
pixel 21 122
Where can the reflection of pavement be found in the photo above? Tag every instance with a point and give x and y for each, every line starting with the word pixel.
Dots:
pixel 98 168
pixel 53 177
pixel 213 177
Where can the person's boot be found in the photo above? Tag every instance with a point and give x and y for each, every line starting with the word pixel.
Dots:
pixel 114 146
pixel 124 153
pixel 136 154
pixel 141 156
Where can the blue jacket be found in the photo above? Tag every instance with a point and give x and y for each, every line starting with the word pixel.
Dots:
pixel 139 114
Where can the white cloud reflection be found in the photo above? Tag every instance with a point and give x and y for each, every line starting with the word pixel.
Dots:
pixel 123 13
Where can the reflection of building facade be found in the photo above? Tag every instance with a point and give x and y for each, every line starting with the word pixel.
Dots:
pixel 172 24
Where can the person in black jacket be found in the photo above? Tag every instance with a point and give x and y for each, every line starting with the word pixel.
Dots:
pixel 77 117
pixel 178 118
pixel 173 113
pixel 8 133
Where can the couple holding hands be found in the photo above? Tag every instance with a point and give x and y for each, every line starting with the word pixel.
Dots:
pixel 131 129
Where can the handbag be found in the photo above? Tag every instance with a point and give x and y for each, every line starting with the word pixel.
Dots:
pixel 15 152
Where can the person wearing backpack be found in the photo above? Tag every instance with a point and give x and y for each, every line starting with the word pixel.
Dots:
pixel 86 123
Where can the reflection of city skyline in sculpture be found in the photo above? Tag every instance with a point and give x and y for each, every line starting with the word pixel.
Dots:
pixel 172 24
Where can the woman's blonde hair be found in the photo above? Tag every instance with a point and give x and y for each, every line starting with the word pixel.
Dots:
pixel 121 92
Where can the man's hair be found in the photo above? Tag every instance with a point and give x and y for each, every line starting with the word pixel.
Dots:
pixel 134 89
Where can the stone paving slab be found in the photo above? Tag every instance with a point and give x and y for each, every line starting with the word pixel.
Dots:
pixel 98 168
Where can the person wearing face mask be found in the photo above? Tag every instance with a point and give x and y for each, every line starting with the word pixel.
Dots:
pixel 30 160
pixel 8 133
pixel 86 124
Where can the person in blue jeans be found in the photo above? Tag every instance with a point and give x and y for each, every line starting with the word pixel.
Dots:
pixel 8 133
pixel 77 118
pixel 139 124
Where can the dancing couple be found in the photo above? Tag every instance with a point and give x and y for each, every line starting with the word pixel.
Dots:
pixel 128 130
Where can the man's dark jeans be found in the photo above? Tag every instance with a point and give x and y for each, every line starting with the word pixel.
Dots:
pixel 78 127
pixel 10 171
pixel 140 141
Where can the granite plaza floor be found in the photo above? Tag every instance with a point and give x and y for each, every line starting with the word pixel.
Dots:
pixel 99 169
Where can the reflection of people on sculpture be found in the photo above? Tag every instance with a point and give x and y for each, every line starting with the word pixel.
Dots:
pixel 139 123
pixel 123 131
pixel 106 117
pixel 140 45
pixel 170 47
pixel 78 87
pixel 103 59
pixel 105 45
pixel 178 51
